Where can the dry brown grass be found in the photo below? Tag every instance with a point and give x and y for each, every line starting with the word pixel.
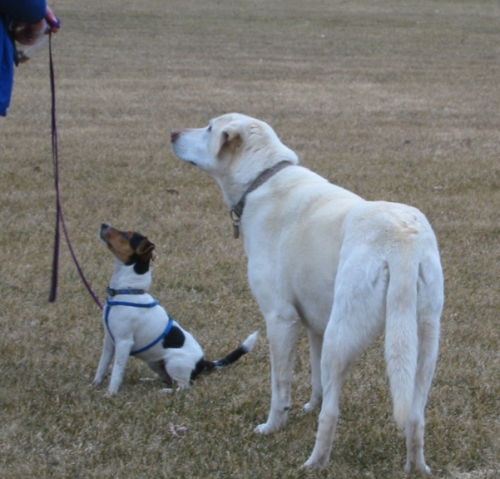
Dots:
pixel 394 101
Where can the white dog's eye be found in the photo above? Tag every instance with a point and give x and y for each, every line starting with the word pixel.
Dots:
pixel 209 129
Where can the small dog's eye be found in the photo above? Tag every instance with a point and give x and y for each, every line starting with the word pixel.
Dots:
pixel 209 129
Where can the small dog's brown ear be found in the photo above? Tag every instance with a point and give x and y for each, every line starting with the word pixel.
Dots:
pixel 146 250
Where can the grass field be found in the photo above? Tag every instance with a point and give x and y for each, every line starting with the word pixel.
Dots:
pixel 394 100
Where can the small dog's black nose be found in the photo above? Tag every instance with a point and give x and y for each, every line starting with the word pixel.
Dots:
pixel 104 227
pixel 103 230
pixel 174 135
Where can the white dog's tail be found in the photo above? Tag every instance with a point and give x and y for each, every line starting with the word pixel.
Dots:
pixel 231 358
pixel 401 332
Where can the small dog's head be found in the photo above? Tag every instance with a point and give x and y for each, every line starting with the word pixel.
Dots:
pixel 130 248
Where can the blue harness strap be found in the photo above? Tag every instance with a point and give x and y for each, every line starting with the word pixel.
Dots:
pixel 107 309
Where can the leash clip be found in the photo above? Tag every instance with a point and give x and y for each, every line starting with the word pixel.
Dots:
pixel 235 218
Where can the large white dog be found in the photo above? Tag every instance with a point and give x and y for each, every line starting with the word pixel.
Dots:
pixel 311 245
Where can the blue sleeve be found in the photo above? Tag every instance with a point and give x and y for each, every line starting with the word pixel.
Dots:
pixel 6 69
pixel 29 11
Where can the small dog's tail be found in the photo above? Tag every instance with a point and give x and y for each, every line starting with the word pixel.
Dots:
pixel 205 366
pixel 246 347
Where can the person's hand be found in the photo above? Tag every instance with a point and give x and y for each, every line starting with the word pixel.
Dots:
pixel 53 22
pixel 30 33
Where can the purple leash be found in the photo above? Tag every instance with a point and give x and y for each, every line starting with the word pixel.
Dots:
pixel 59 212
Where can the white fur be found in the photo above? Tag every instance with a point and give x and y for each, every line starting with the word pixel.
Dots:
pixel 249 343
pixel 311 244
pixel 134 328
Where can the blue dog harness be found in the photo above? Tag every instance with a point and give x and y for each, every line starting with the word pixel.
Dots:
pixel 110 303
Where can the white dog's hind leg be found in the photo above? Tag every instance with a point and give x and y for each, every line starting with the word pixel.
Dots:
pixel 282 334
pixel 357 317
pixel 340 348
pixel 315 344
pixel 108 349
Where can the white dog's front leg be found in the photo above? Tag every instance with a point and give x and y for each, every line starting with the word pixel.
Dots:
pixel 282 335
pixel 122 353
pixel 108 348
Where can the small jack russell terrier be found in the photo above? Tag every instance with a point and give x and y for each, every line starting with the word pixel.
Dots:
pixel 136 325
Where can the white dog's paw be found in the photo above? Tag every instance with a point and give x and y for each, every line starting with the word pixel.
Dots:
pixel 424 469
pixel 314 402
pixel 96 382
pixel 166 391
pixel 309 407
pixel 313 465
pixel 264 429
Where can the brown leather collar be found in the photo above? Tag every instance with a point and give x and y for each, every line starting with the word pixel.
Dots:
pixel 237 210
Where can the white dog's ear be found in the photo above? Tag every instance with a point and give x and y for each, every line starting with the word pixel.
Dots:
pixel 230 137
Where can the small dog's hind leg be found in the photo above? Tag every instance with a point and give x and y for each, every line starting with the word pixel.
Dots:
pixel 166 391
pixel 180 372
pixel 159 368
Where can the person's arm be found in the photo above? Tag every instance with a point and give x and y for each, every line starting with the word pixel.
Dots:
pixel 24 11
pixel 28 32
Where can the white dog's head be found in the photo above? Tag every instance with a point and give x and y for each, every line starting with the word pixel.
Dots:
pixel 234 149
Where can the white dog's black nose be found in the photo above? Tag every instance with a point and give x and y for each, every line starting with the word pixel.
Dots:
pixel 174 135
